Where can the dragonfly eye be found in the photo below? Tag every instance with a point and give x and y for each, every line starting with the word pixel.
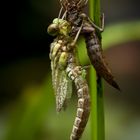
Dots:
pixel 53 29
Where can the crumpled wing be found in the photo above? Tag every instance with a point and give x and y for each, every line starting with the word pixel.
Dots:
pixel 62 85
pixel 64 90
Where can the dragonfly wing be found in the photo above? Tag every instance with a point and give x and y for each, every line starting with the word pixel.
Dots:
pixel 69 88
pixel 64 90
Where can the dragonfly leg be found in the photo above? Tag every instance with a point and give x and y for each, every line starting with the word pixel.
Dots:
pixel 64 3
pixel 71 45
pixel 64 15
pixel 78 33
pixel 101 29
pixel 60 12
pixel 88 25
pixel 89 29
pixel 102 22
pixel 82 3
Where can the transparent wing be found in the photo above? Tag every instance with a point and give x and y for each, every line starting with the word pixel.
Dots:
pixel 63 89
pixel 62 85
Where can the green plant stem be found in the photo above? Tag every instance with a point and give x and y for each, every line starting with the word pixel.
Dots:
pixel 96 86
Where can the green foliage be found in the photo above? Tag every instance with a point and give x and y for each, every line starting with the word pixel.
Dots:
pixel 120 33
pixel 30 113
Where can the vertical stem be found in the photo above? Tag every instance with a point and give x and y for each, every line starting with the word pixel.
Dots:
pixel 94 106
pixel 96 86
pixel 100 109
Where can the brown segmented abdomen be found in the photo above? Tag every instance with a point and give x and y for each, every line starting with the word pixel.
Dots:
pixel 83 108
pixel 95 54
pixel 82 115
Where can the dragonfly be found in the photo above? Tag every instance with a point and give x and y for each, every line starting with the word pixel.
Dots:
pixel 75 16
pixel 65 71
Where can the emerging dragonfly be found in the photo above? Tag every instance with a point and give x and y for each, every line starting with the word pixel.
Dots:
pixel 65 70
pixel 76 17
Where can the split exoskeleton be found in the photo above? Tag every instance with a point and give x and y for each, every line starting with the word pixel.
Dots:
pixel 64 64
pixel 76 18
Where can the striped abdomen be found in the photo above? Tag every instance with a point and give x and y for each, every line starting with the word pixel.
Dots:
pixel 95 54
pixel 83 108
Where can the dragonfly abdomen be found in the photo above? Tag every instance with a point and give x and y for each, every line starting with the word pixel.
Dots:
pixel 83 108
pixel 96 57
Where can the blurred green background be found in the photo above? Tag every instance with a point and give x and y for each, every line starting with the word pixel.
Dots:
pixel 27 103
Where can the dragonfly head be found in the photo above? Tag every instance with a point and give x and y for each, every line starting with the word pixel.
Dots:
pixel 59 27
